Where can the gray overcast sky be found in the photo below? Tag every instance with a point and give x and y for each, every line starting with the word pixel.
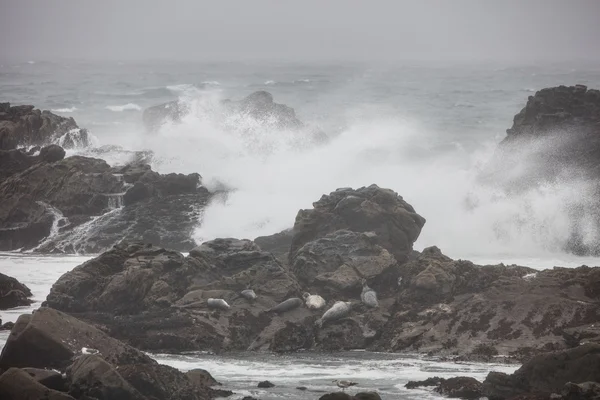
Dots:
pixel 475 30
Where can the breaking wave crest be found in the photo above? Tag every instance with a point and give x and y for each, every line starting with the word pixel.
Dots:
pixel 270 174
pixel 125 107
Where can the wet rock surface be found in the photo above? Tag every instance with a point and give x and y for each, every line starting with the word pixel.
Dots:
pixel 394 223
pixel 81 204
pixel 548 374
pixel 447 306
pixel 157 299
pixel 24 126
pixel 50 355
pixel 555 140
pixel 13 293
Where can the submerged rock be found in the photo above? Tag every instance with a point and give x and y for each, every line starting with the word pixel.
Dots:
pixel 258 110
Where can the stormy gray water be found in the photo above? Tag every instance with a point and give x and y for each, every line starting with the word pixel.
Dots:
pixel 422 130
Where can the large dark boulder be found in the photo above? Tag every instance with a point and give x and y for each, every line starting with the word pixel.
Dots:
pixel 13 293
pixel 50 378
pixel 339 261
pixel 26 126
pixel 13 161
pixel 52 153
pixel 50 339
pixel 90 376
pixel 547 373
pixel 462 387
pixel 16 384
pixel 395 224
pixel 162 382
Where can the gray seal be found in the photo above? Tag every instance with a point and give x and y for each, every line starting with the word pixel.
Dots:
pixel 313 301
pixel 286 305
pixel 339 310
pixel 217 303
pixel 369 296
pixel 248 294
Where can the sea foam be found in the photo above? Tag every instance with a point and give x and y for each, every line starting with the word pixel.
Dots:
pixel 272 174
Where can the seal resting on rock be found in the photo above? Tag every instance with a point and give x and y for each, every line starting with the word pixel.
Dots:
pixel 313 301
pixel 369 296
pixel 217 303
pixel 339 310
pixel 248 294
pixel 286 305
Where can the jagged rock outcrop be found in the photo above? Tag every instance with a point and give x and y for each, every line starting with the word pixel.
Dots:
pixel 23 126
pixel 394 222
pixel 156 299
pixel 555 139
pixel 447 306
pixel 557 133
pixel 257 111
pixel 33 199
pixel 547 373
pixel 13 293
pixel 96 365
pixel 72 199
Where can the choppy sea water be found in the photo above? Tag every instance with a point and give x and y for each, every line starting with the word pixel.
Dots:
pixel 424 131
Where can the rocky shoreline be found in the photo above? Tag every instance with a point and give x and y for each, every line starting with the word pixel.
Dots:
pixel 344 277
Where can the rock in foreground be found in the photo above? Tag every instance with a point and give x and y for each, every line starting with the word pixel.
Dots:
pixel 96 365
pixel 547 373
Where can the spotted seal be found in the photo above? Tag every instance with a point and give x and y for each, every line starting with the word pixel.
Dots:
pixel 313 301
pixel 217 303
pixel 369 296
pixel 248 294
pixel 339 310
pixel 286 305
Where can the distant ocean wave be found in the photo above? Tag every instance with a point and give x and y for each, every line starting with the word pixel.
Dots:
pixel 125 107
pixel 65 110
pixel 191 87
